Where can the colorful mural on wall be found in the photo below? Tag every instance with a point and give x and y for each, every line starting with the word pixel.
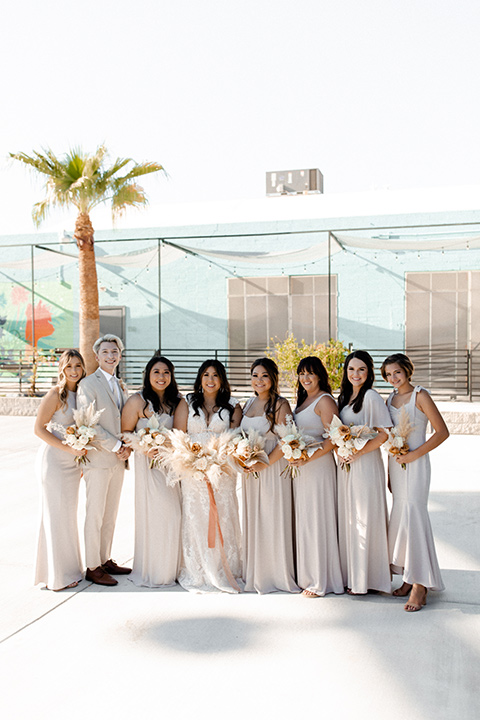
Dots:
pixel 52 315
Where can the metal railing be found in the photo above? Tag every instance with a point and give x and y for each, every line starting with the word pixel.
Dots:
pixel 447 372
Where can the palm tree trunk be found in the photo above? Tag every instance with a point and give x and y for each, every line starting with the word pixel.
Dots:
pixel 89 321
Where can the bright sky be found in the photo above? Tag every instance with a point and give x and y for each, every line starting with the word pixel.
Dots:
pixel 376 93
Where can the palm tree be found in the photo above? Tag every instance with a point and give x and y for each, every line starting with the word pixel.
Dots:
pixel 83 181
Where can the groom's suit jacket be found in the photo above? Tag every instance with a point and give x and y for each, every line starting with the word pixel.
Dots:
pixel 95 388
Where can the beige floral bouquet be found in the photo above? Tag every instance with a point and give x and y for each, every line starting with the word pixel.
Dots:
pixel 396 444
pixel 295 445
pixel 81 435
pixel 349 439
pixel 184 457
pixel 248 448
pixel 209 463
pixel 150 438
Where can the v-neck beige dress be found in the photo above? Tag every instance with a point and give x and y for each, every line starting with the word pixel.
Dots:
pixel 268 552
pixel 158 515
pixel 362 507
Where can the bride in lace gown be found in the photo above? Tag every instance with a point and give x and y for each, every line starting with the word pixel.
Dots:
pixel 210 411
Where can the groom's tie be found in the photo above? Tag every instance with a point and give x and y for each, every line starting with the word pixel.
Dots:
pixel 115 390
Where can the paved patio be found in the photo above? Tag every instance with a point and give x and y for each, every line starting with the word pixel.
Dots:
pixel 133 651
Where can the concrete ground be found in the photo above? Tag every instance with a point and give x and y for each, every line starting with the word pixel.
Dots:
pixel 130 651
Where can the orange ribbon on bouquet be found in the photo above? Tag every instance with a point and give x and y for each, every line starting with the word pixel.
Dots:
pixel 213 524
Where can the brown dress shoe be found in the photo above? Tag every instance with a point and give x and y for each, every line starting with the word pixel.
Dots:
pixel 100 577
pixel 111 567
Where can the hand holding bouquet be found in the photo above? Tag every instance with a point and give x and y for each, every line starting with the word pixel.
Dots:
pixel 295 444
pixel 185 457
pixel 248 448
pixel 149 440
pixel 396 443
pixel 349 439
pixel 80 435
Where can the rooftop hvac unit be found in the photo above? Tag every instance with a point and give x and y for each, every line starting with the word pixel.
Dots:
pixel 294 182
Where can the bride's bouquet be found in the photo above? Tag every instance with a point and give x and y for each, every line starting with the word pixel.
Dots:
pixel 349 439
pixel 152 437
pixel 396 443
pixel 209 463
pixel 80 436
pixel 185 457
pixel 248 448
pixel 295 445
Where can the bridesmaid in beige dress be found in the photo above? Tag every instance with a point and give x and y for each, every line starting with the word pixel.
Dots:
pixel 362 506
pixel 410 536
pixel 267 500
pixel 59 563
pixel 314 488
pixel 158 514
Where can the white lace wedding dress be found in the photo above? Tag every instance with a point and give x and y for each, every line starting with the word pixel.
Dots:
pixel 203 568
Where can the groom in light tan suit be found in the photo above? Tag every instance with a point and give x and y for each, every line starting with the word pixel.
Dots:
pixel 104 473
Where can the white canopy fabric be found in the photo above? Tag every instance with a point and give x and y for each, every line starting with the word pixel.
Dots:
pixel 45 258
pixel 415 243
pixel 170 253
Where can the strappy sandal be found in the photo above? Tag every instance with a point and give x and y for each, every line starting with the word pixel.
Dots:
pixel 414 607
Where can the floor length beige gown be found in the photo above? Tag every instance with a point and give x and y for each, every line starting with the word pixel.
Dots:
pixel 410 536
pixel 59 561
pixel 158 516
pixel 268 552
pixel 362 507
pixel 315 496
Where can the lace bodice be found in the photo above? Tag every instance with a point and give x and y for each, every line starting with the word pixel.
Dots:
pixel 198 427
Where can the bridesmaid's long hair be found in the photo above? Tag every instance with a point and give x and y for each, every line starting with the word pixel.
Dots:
pixel 346 387
pixel 222 401
pixel 271 406
pixel 64 359
pixel 315 366
pixel 171 396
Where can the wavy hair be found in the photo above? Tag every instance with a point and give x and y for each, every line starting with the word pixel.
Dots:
pixel 171 396
pixel 315 366
pixel 63 360
pixel 346 387
pixel 400 359
pixel 222 400
pixel 271 406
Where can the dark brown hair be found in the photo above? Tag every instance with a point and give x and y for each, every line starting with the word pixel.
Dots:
pixel 346 387
pixel 400 359
pixel 271 369
pixel 315 366
pixel 222 401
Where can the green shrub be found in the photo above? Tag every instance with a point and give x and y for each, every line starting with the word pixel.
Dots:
pixel 287 355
